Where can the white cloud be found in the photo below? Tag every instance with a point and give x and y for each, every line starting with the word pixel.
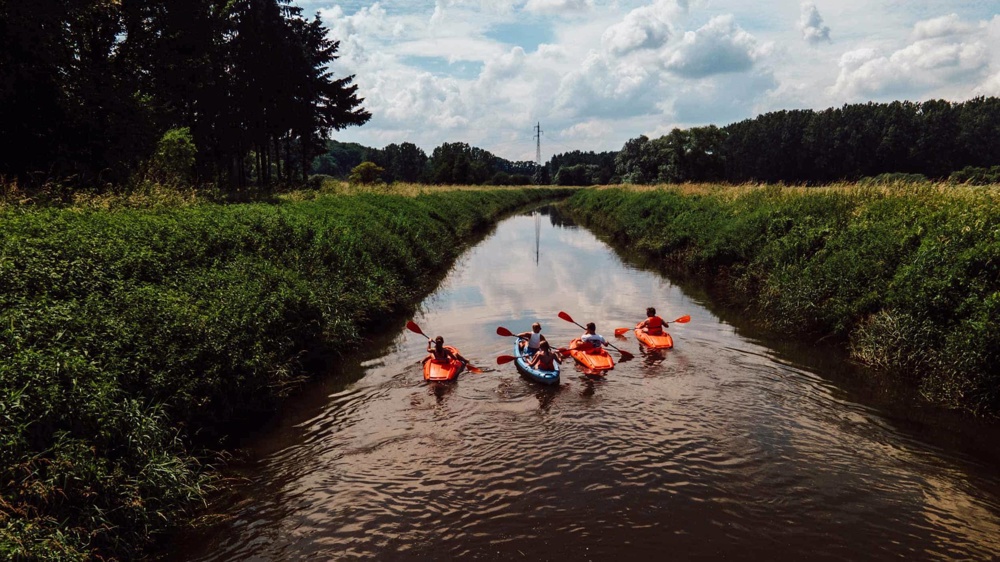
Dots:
pixel 647 27
pixel 944 50
pixel 604 88
pixel 605 71
pixel 558 6
pixel 718 47
pixel 945 26
pixel 587 130
pixel 722 99
pixel 811 24
pixel 990 87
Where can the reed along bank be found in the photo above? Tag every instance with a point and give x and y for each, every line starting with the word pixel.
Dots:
pixel 907 276
pixel 131 338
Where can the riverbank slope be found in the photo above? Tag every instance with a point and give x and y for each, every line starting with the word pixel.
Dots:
pixel 132 337
pixel 908 276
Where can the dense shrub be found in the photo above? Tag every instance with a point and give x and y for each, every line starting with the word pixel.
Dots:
pixel 366 173
pixel 908 276
pixel 124 333
pixel 893 179
pixel 977 176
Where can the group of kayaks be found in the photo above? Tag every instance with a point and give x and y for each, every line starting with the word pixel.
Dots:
pixel 595 360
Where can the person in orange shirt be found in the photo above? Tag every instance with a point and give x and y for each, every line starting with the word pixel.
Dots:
pixel 653 324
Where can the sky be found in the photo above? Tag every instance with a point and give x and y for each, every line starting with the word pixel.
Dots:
pixel 597 73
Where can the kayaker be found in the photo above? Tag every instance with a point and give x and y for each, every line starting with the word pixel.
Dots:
pixel 438 352
pixel 531 341
pixel 544 360
pixel 653 324
pixel 592 337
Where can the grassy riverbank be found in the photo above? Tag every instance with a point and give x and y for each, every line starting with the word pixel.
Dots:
pixel 129 334
pixel 907 276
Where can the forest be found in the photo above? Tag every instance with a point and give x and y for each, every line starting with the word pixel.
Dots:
pixel 239 93
pixel 229 92
pixel 933 140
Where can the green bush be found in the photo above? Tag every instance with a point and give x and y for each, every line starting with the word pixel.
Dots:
pixel 173 162
pixel 125 333
pixel 366 173
pixel 893 178
pixel 908 276
pixel 971 175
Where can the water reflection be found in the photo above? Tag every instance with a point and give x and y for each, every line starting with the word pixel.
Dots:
pixel 720 447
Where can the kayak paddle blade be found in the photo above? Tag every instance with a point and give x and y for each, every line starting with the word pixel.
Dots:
pixel 412 326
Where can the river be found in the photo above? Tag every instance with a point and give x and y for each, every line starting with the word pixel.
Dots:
pixel 731 445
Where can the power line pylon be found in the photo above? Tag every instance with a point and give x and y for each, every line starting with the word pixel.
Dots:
pixel 538 144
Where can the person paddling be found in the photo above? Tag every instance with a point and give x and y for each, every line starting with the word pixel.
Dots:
pixel 545 359
pixel 531 341
pixel 653 324
pixel 438 352
pixel 592 337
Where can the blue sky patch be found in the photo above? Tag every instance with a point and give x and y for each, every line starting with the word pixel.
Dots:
pixel 527 35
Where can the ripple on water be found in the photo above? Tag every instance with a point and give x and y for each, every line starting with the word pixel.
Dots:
pixel 718 448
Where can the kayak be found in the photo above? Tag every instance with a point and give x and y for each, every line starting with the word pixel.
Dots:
pixel 662 341
pixel 537 375
pixel 435 370
pixel 597 359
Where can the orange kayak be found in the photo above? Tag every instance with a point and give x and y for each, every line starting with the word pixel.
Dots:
pixel 594 358
pixel 662 341
pixel 435 370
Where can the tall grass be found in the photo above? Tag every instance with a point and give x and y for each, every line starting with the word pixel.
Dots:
pixel 908 276
pixel 125 333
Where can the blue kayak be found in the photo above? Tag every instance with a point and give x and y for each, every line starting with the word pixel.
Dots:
pixel 544 377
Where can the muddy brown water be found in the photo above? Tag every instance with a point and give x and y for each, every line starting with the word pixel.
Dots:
pixel 729 446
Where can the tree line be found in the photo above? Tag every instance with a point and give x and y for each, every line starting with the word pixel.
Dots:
pixel 454 163
pixel 235 91
pixel 935 139
pixel 459 163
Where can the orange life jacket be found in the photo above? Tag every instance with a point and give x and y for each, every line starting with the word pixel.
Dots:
pixel 654 325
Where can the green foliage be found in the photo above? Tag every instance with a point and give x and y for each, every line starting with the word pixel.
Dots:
pixel 89 87
pixel 578 174
pixel 366 173
pixel 971 175
pixel 931 139
pixel 460 164
pixel 402 162
pixel 602 164
pixel 125 333
pixel 893 179
pixel 174 159
pixel 909 275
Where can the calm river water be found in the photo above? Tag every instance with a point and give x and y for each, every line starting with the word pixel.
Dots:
pixel 727 446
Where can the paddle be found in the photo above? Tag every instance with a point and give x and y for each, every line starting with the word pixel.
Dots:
pixel 412 326
pixel 504 359
pixel 682 320
pixel 501 331
pixel 625 355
